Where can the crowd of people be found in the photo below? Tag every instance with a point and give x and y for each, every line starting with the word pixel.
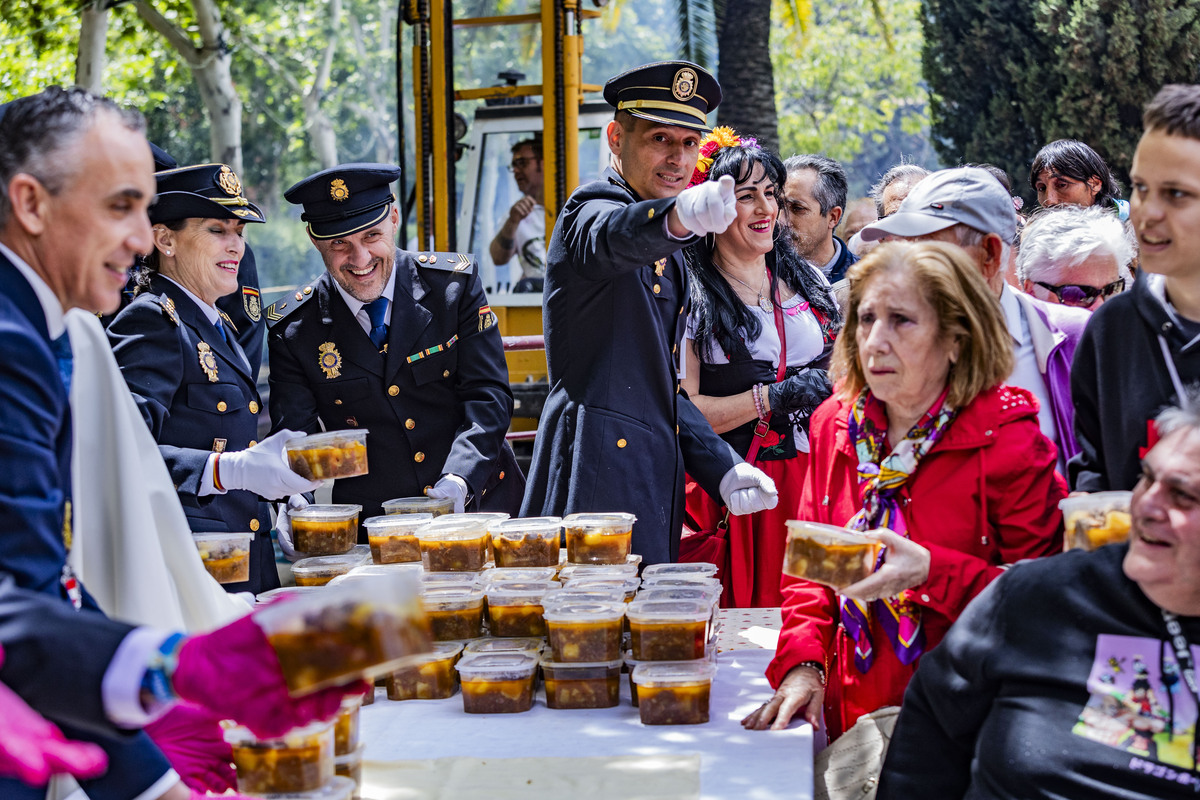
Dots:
pixel 939 376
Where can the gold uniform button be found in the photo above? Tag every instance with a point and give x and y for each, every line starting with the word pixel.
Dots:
pixel 621 443
pixel 410 424
pixel 676 430
pixel 657 288
pixel 445 373
pixel 393 390
pixel 308 290
pixel 422 258
pixel 254 525
pixel 419 457
pixel 501 474
pixel 221 406
pixel 337 402
pixel 650 214
pixel 253 407
pixel 252 443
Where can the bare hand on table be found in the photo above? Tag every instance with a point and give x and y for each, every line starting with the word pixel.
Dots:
pixel 905 565
pixel 801 690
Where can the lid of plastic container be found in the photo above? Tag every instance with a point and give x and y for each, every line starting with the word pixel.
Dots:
pixel 569 595
pixel 327 513
pixel 322 564
pixel 659 612
pixel 296 737
pixel 573 610
pixel 616 522
pixel 799 529
pixel 441 651
pixel 452 528
pixel 448 598
pixel 449 578
pixel 572 571
pixel 222 538
pixel 683 582
pixel 286 591
pixel 518 644
pixel 385 570
pixel 520 592
pixel 353 757
pixel 395 524
pixel 549 663
pixel 696 593
pixel 489 517
pixel 328 439
pixel 624 584
pixel 673 673
pixel 418 503
pixel 1097 501
pixel 680 570
pixel 498 666
pixel 519 574
pixel 338 787
pixel 528 526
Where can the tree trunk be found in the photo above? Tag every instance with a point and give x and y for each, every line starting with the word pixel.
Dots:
pixel 747 80
pixel 93 31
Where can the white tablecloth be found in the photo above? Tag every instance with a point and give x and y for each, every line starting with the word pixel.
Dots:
pixel 734 763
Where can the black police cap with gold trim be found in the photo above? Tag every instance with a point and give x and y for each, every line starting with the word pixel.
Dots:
pixel 345 199
pixel 209 191
pixel 670 92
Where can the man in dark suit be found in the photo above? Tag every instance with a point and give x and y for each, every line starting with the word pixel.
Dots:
pixel 616 433
pixel 402 344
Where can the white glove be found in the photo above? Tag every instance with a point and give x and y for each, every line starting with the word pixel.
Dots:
pixel 450 486
pixel 283 525
pixel 263 469
pixel 707 207
pixel 746 489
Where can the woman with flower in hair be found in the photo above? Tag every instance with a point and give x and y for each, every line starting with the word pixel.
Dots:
pixel 759 336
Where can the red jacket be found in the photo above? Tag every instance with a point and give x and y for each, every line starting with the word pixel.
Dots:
pixel 985 496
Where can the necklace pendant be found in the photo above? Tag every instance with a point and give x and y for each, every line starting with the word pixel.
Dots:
pixel 765 304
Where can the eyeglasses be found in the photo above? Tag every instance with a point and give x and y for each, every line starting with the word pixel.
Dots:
pixel 1075 294
pixel 519 163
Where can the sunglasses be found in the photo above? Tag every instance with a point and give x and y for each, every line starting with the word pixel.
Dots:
pixel 1074 294
pixel 519 163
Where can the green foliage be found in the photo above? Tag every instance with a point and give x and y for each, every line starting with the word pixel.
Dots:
pixel 1008 76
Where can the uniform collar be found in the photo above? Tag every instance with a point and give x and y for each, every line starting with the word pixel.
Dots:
pixel 210 313
pixel 51 307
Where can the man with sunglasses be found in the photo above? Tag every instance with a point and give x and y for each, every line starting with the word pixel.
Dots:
pixel 524 231
pixel 969 207
pixel 1075 256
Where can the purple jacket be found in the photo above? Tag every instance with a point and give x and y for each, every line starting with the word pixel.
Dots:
pixel 1055 331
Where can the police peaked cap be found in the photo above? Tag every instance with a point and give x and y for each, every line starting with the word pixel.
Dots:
pixel 345 199
pixel 205 191
pixel 668 92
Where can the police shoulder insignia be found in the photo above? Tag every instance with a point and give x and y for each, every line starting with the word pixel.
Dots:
pixel 208 361
pixel 252 303
pixel 451 262
pixel 487 317
pixel 330 359
pixel 285 305
pixel 168 307
pixel 659 266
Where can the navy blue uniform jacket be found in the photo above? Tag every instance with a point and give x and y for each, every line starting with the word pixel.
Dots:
pixel 157 340
pixel 429 411
pixel 616 433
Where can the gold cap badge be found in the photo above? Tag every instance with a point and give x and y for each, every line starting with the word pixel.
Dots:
pixel 338 190
pixel 227 179
pixel 684 85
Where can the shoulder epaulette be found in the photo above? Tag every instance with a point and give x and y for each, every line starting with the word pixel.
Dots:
pixel 287 304
pixel 451 262
pixel 168 307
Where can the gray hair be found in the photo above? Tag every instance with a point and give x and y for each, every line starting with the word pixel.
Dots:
pixel 901 172
pixel 1185 416
pixel 36 133
pixel 1068 235
pixel 967 237
pixel 831 185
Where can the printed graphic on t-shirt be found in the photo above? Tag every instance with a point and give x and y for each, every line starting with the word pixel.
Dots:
pixel 1139 702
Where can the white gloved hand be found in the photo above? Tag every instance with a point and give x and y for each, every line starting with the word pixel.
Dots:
pixel 746 489
pixel 707 207
pixel 450 486
pixel 263 469
pixel 283 525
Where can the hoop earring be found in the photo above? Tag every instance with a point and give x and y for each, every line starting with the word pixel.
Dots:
pixel 775 237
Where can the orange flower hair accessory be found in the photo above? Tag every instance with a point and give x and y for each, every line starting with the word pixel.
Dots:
pixel 721 136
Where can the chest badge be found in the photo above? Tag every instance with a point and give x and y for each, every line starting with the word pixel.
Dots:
pixel 659 266
pixel 330 359
pixel 208 361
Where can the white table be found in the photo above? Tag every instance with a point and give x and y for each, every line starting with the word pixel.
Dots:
pixel 735 763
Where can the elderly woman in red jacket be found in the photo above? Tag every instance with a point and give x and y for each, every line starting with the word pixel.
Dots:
pixel 922 439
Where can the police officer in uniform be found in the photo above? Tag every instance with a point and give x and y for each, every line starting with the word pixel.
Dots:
pixel 402 344
pixel 616 434
pixel 189 376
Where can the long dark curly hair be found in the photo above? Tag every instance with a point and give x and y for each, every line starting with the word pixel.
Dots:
pixel 719 314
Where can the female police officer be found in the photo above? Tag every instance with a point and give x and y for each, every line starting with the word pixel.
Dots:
pixel 190 378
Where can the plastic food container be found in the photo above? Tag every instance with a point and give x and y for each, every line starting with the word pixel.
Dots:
pixel 674 694
pixel 430 677
pixel 323 456
pixel 515 609
pixel 285 591
pixel 432 579
pixel 829 555
pixel 625 587
pixel 388 571
pixel 325 530
pixel 454 545
pixel 585 631
pixel 1096 519
pixel 697 594
pixel 501 683
pixel 301 761
pixel 695 569
pixel 599 538
pixel 419 505
pixel 345 727
pixel 455 612
pixel 582 685
pixel 359 629
pixel 226 556
pixel 336 788
pixel 571 572
pixel 682 582
pixel 320 570
pixel 520 644
pixel 350 766
pixel 666 630
pixel 519 575
pixel 393 537
pixel 529 542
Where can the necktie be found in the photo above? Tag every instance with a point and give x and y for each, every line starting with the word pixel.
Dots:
pixel 377 312
pixel 221 330
pixel 62 351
